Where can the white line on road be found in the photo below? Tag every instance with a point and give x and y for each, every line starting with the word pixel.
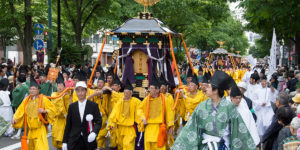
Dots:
pixel 11 147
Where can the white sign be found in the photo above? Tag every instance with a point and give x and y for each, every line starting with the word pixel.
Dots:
pixel 39 37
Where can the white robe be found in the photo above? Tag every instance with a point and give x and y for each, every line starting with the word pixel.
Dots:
pixel 6 111
pixel 264 113
pixel 251 90
pixel 246 77
pixel 248 119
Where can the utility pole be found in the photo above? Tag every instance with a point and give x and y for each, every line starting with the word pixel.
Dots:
pixel 49 43
pixel 58 28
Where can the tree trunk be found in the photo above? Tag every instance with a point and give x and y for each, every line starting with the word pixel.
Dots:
pixel 27 49
pixel 3 46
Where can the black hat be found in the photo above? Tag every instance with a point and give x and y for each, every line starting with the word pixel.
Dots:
pixel 117 80
pixel 254 76
pixel 60 78
pixel 4 83
pixel 190 73
pixel 80 75
pixel 102 76
pixel 204 79
pixel 235 91
pixel 154 81
pixel 47 69
pixel 110 73
pixel 41 73
pixel 207 75
pixel 33 82
pixel 128 85
pixel 76 74
pixel 200 68
pixel 262 71
pixel 163 80
pixel 195 80
pixel 264 77
pixel 99 69
pixel 221 80
pixel 66 71
pixel 22 70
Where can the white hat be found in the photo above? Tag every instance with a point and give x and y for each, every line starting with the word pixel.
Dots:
pixel 80 84
pixel 242 85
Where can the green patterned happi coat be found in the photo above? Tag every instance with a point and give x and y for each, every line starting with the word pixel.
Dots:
pixel 214 121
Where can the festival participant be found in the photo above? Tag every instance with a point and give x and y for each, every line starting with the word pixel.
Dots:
pixel 47 87
pixel 37 110
pixel 236 97
pixel 62 105
pixel 123 117
pixel 83 122
pixel 109 78
pixel 82 76
pixel 116 95
pixel 262 105
pixel 243 88
pixel 156 112
pixel 192 98
pixel 102 101
pixel 253 86
pixel 215 122
pixel 6 111
pixel 164 90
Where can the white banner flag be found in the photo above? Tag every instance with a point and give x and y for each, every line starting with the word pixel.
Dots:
pixel 272 63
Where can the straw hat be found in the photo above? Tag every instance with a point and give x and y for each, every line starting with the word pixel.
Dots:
pixel 296 98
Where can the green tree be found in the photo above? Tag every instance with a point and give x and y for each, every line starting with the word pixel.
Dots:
pixel 264 15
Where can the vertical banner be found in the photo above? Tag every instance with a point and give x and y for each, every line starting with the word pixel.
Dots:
pixel 272 62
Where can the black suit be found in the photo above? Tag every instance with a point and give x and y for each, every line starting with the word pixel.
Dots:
pixel 74 126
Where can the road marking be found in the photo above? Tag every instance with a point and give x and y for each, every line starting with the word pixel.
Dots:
pixel 11 147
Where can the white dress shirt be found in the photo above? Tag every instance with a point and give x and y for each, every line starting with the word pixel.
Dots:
pixel 81 106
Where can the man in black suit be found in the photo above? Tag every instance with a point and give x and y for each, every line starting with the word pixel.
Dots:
pixel 83 122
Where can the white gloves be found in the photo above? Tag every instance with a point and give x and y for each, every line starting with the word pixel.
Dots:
pixel 91 137
pixel 64 146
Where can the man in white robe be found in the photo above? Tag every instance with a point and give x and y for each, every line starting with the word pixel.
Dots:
pixel 253 86
pixel 262 105
pixel 237 99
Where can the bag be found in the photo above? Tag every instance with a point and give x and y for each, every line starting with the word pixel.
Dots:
pixel 162 134
pixel 24 143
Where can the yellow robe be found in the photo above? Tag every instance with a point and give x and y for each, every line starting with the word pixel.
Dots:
pixel 89 92
pixel 103 107
pixel 154 120
pixel 115 97
pixel 62 105
pixel 176 121
pixel 191 102
pixel 122 119
pixel 37 132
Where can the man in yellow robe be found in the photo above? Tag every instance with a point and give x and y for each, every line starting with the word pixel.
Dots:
pixel 152 116
pixel 193 98
pixel 122 119
pixel 102 100
pixel 37 130
pixel 172 129
pixel 62 105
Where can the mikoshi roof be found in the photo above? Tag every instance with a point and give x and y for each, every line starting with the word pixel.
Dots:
pixel 220 51
pixel 136 25
pixel 232 54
